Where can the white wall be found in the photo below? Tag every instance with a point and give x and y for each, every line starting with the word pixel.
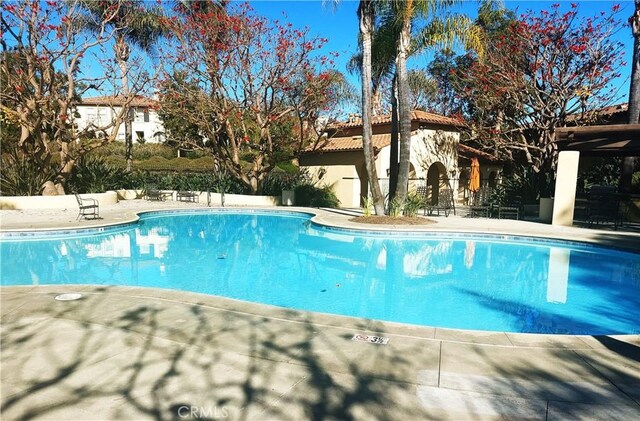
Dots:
pixel 427 148
pixel 103 116
pixel 54 202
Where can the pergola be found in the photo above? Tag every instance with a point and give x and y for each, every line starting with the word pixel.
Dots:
pixel 611 140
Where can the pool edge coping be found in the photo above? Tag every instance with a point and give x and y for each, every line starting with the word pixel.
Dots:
pixel 317 218
pixel 630 242
pixel 348 323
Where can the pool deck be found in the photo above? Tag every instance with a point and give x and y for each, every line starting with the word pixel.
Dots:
pixel 145 353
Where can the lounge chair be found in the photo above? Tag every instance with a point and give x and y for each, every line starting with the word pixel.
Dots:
pixel 481 204
pixel 88 207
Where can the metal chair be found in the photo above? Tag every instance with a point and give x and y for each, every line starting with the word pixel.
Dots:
pixel 481 205
pixel 88 207
pixel 187 196
pixel 603 205
pixel 445 201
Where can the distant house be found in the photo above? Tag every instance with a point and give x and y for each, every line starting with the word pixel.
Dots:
pixel 98 113
pixel 437 158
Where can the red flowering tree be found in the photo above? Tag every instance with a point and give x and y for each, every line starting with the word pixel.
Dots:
pixel 544 68
pixel 43 52
pixel 240 79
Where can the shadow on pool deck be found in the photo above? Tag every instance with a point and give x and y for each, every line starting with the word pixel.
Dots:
pixel 119 354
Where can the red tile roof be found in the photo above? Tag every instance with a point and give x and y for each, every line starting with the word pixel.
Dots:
pixel 138 101
pixel 354 143
pixel 416 115
pixel 349 143
pixel 606 113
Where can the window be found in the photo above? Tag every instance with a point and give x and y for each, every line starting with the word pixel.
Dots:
pixel 146 115
pixel 101 117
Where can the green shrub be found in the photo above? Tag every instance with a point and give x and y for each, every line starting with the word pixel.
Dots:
pixel 95 175
pixel 602 171
pixel 278 180
pixel 395 207
pixel 317 197
pixel 147 150
pixel 412 204
pixel 288 167
pixel 139 151
pixel 522 186
pixel 367 206
pixel 116 161
pixel 20 177
pixel 185 181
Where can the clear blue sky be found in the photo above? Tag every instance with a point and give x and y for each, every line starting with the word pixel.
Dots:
pixel 339 24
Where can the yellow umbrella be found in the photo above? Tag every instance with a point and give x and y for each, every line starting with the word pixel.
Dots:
pixel 474 178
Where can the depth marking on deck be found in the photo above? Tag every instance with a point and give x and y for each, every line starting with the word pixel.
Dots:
pixel 380 340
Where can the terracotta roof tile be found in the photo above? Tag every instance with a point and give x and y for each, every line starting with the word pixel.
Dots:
pixel 416 115
pixel 349 143
pixel 604 112
pixel 111 100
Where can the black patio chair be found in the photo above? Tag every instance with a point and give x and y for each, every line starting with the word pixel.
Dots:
pixel 444 203
pixel 481 203
pixel 603 205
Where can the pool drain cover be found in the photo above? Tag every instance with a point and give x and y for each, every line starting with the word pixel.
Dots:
pixel 68 297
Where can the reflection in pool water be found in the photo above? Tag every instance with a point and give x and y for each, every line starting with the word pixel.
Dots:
pixel 281 259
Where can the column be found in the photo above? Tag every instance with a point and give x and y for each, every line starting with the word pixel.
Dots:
pixel 566 183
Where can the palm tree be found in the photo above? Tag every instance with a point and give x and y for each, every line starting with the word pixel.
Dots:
pixel 634 89
pixel 629 162
pixel 366 17
pixel 436 32
pixel 134 24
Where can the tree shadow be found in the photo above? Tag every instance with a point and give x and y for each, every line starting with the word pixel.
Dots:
pixel 110 355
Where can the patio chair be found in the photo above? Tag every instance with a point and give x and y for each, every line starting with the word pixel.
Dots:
pixel 445 202
pixel 603 205
pixel 88 207
pixel 187 196
pixel 481 204
pixel 510 211
pixel 154 194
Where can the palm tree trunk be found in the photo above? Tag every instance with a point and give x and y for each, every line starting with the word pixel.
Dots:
pixel 634 89
pixel 404 106
pixel 628 163
pixel 393 158
pixel 366 17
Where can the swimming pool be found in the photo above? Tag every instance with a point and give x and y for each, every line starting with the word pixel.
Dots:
pixel 462 281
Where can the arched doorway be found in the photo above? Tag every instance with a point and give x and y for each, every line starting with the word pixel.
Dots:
pixel 436 178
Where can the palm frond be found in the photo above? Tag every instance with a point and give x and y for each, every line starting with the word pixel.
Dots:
pixel 444 33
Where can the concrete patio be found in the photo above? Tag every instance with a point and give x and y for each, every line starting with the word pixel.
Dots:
pixel 144 353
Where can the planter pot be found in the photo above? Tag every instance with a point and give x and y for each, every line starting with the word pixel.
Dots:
pixel 546 209
pixel 288 197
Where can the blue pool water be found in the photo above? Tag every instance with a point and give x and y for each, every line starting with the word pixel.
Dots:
pixel 281 258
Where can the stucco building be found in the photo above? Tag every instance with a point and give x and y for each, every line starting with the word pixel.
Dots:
pixel 437 159
pixel 100 112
